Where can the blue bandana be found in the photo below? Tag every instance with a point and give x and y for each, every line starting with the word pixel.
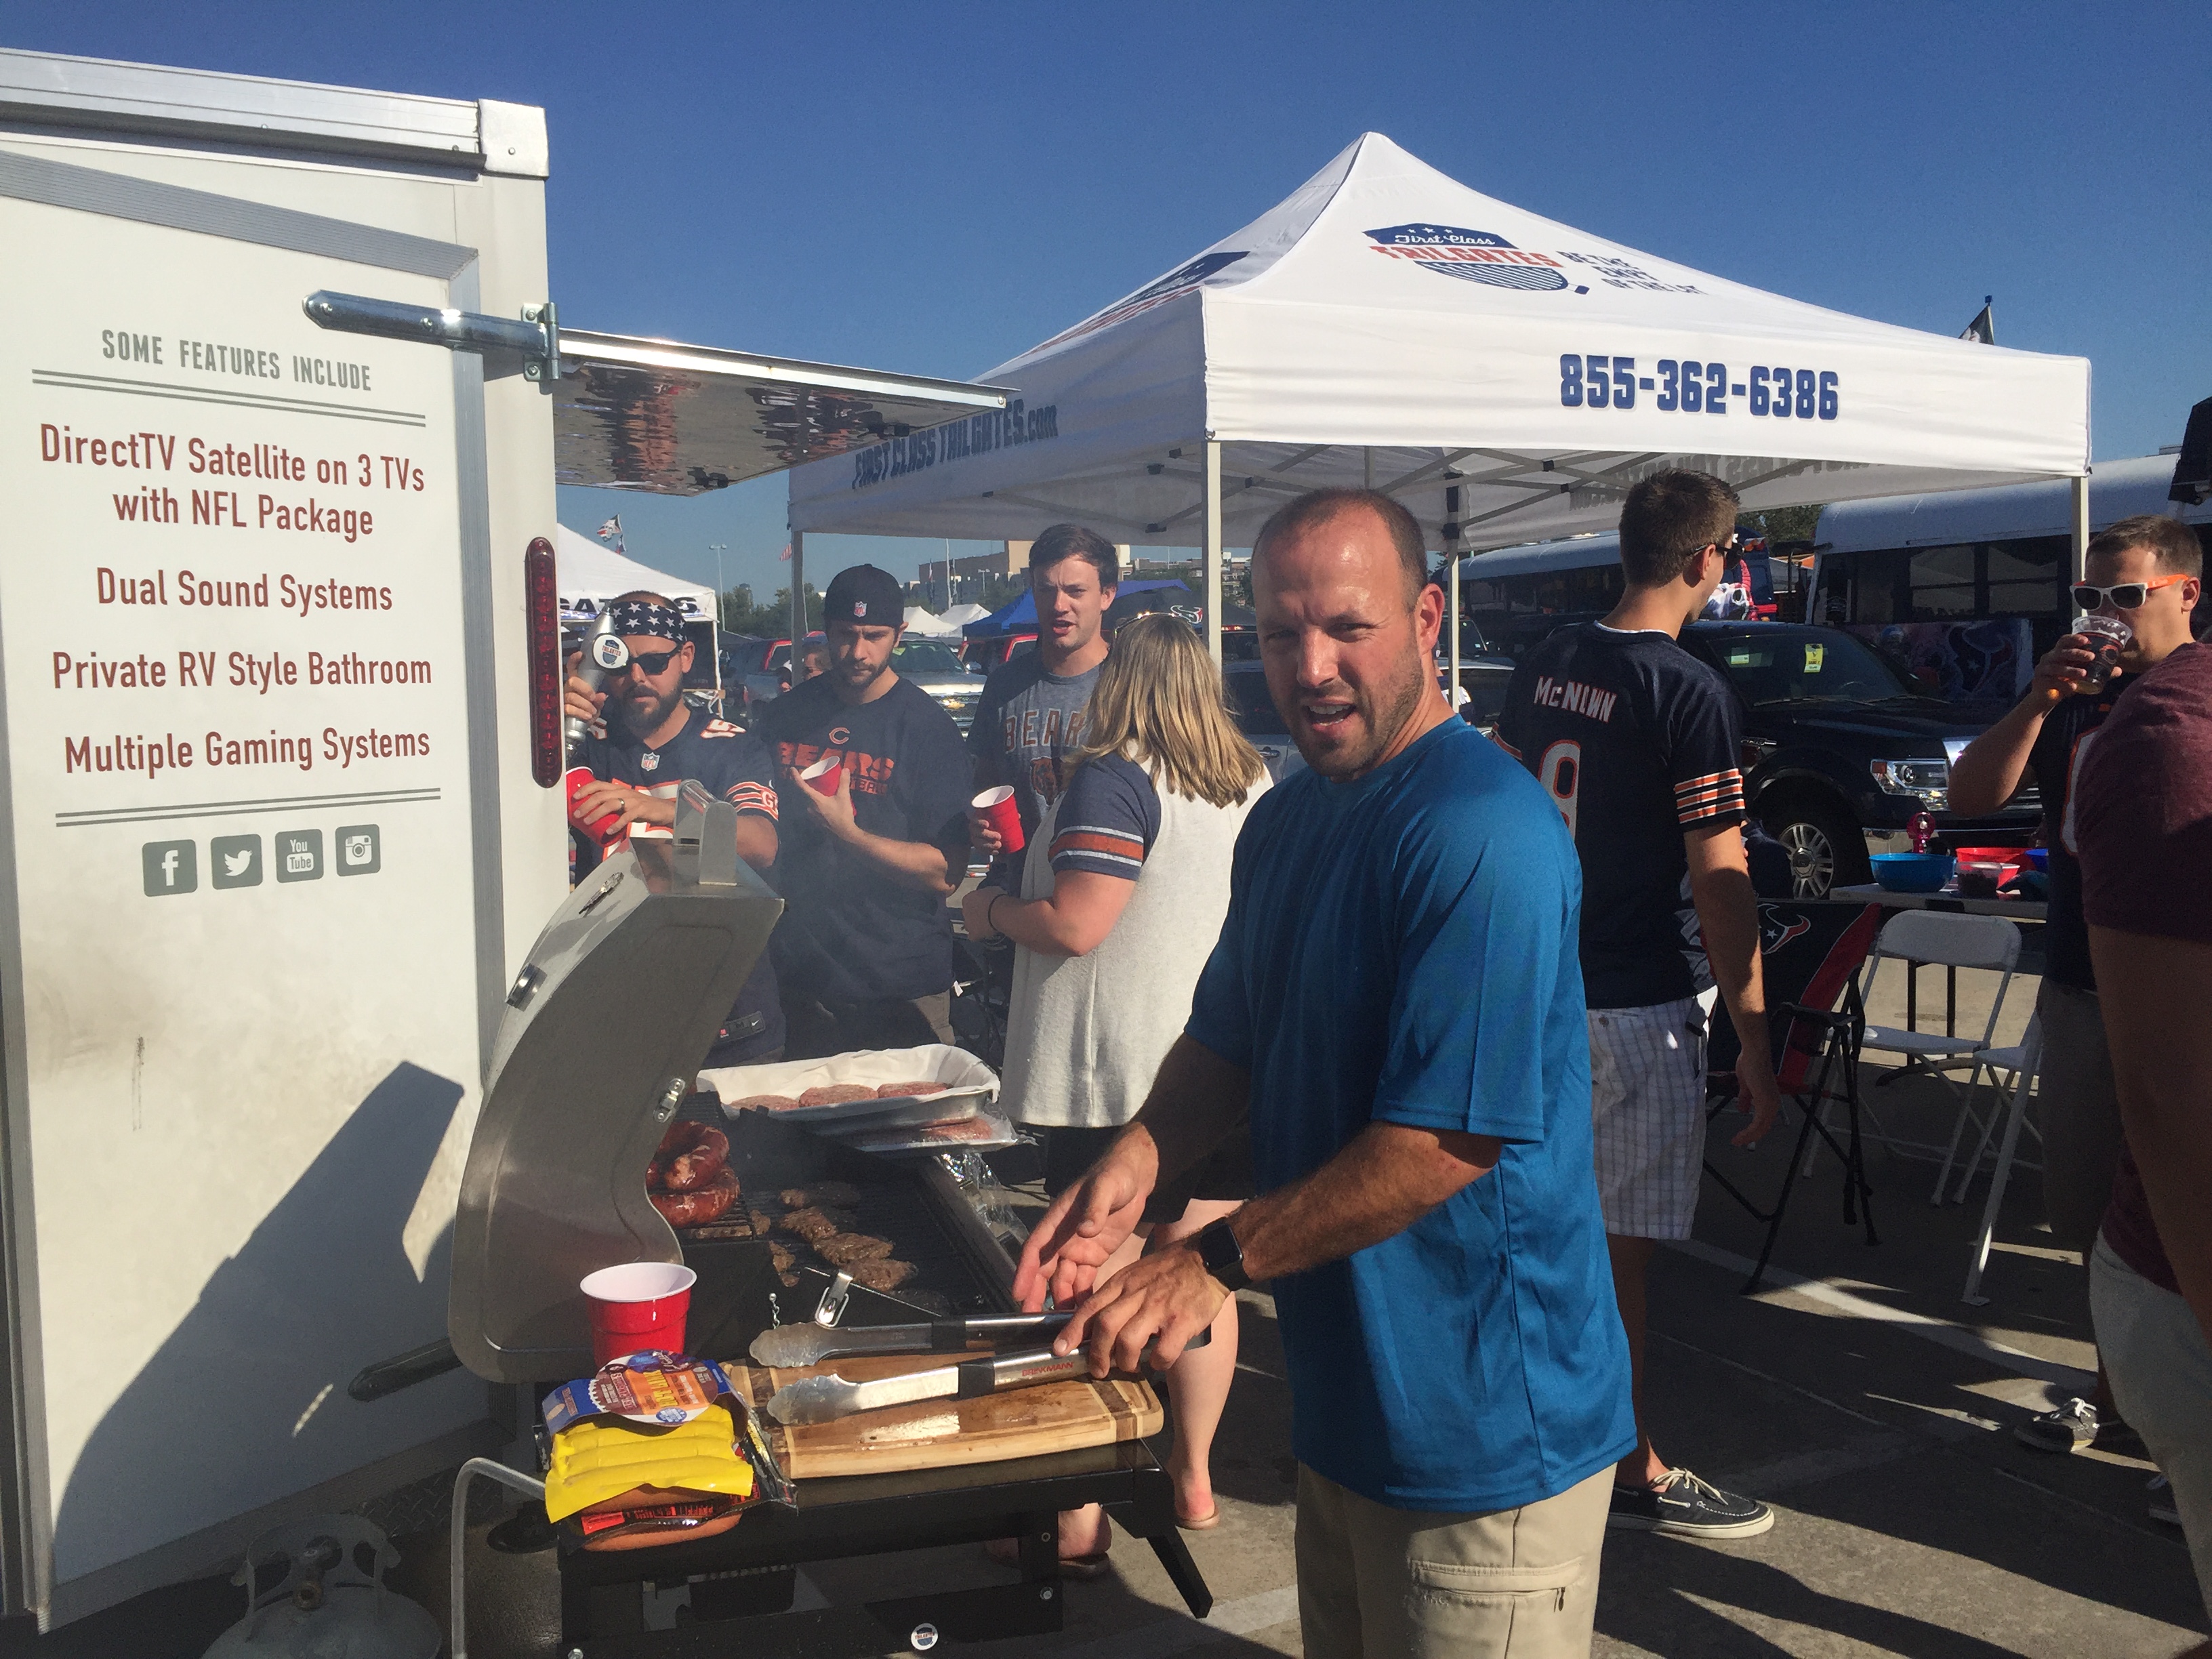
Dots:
pixel 637 617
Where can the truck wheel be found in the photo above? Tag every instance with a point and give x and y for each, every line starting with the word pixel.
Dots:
pixel 1826 849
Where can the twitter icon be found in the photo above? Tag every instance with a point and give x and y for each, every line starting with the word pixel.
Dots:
pixel 237 860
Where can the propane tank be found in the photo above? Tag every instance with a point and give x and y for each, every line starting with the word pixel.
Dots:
pixel 328 1605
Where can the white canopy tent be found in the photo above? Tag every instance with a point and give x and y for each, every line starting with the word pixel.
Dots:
pixel 591 572
pixel 1505 376
pixel 924 625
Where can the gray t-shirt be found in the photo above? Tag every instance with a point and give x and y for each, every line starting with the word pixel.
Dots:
pixel 1026 726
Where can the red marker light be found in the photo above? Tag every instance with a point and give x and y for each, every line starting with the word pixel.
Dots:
pixel 542 603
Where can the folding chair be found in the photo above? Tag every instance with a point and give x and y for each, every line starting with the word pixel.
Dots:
pixel 2024 1063
pixel 1953 941
pixel 1810 958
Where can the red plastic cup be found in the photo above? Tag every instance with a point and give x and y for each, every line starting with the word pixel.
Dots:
pixel 577 777
pixel 641 1304
pixel 823 775
pixel 999 813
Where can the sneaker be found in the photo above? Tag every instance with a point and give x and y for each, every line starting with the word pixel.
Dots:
pixel 2161 1503
pixel 1680 1506
pixel 2069 1428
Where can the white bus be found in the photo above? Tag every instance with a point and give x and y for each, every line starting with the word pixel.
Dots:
pixel 2000 553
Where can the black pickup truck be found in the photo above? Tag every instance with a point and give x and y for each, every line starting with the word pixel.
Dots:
pixel 1841 748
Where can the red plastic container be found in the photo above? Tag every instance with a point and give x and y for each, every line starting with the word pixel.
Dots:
pixel 998 810
pixel 825 774
pixel 641 1304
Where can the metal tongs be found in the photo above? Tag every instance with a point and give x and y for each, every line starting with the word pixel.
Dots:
pixel 826 1399
pixel 786 1347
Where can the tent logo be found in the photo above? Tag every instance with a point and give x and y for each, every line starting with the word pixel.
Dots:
pixel 1474 256
pixel 1180 281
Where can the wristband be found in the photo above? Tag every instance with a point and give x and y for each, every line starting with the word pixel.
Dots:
pixel 991 914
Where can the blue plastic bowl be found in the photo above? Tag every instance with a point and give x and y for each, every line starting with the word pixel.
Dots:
pixel 1912 872
pixel 2036 857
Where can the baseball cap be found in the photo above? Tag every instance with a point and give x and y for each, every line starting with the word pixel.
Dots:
pixel 863 594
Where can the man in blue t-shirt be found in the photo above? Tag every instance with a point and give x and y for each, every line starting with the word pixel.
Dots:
pixel 1396 1001
pixel 639 753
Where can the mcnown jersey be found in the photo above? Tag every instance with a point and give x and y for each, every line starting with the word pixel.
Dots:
pixel 1635 739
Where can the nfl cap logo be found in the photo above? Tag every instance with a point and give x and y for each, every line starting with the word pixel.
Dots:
pixel 859 607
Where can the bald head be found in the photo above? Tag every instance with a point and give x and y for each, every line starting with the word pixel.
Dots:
pixel 1318 508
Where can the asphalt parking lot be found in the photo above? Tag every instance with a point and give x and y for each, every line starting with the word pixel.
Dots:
pixel 1856 1392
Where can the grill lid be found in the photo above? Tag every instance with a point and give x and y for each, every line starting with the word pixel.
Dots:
pixel 604 1028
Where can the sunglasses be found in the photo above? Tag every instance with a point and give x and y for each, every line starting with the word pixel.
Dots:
pixel 2122 596
pixel 650 663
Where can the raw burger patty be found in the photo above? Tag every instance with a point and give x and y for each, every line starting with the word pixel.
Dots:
pixel 843 1194
pixel 847 1249
pixel 764 1103
pixel 836 1094
pixel 882 1274
pixel 900 1090
pixel 814 1223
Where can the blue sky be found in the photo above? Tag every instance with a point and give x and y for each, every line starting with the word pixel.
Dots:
pixel 934 188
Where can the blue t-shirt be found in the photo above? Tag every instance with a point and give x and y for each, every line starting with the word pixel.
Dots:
pixel 1401 948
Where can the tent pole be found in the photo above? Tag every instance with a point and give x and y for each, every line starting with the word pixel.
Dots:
pixel 1451 622
pixel 2080 526
pixel 797 599
pixel 1213 549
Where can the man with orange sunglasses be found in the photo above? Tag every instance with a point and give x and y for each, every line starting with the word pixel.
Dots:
pixel 2148 572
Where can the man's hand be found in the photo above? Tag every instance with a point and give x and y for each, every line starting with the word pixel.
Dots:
pixel 835 811
pixel 1760 1096
pixel 981 836
pixel 1166 1298
pixel 975 908
pixel 2060 672
pixel 579 701
pixel 602 796
pixel 1087 1224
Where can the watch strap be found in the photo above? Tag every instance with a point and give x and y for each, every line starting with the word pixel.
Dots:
pixel 1222 1255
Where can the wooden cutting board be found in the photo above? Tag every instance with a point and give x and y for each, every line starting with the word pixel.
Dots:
pixel 935 1433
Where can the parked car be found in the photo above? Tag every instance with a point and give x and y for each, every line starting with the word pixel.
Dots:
pixel 982 655
pixel 1262 727
pixel 1842 748
pixel 755 671
pixel 935 666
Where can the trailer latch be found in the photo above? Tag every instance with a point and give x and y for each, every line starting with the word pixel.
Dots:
pixel 536 338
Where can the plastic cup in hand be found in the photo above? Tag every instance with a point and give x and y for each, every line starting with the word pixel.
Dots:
pixel 823 775
pixel 999 813
pixel 641 1304
pixel 604 829
pixel 2108 637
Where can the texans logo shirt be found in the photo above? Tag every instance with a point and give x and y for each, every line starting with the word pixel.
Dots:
pixel 1636 741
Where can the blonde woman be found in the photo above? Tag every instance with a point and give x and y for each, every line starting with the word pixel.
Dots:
pixel 1122 896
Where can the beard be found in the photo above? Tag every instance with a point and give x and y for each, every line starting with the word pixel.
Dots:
pixel 643 709
pixel 1350 747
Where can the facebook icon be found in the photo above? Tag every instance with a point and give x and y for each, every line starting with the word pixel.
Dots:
pixel 171 867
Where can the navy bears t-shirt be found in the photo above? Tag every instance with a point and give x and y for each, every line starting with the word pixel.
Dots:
pixel 733 767
pixel 1400 949
pixel 1635 739
pixel 1027 725
pixel 851 932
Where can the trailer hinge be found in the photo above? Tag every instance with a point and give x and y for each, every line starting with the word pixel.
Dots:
pixel 536 338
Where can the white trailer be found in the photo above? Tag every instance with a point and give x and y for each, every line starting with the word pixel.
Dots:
pixel 276 818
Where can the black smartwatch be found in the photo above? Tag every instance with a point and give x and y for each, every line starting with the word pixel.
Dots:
pixel 1221 1255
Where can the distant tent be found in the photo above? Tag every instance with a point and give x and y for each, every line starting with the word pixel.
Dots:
pixel 923 625
pixel 959 615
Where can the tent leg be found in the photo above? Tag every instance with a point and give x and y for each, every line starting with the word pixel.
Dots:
pixel 2080 526
pixel 1452 622
pixel 798 599
pixel 1213 549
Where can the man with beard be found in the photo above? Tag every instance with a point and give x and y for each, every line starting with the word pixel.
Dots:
pixel 641 757
pixel 864 953
pixel 1396 997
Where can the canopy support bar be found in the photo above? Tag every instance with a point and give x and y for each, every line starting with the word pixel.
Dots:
pixel 798 600
pixel 1213 549
pixel 2081 527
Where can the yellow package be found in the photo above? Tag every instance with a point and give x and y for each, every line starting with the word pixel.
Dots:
pixel 602 1457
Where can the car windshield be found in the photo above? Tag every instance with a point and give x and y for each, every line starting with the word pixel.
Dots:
pixel 1255 708
pixel 925 657
pixel 1794 665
